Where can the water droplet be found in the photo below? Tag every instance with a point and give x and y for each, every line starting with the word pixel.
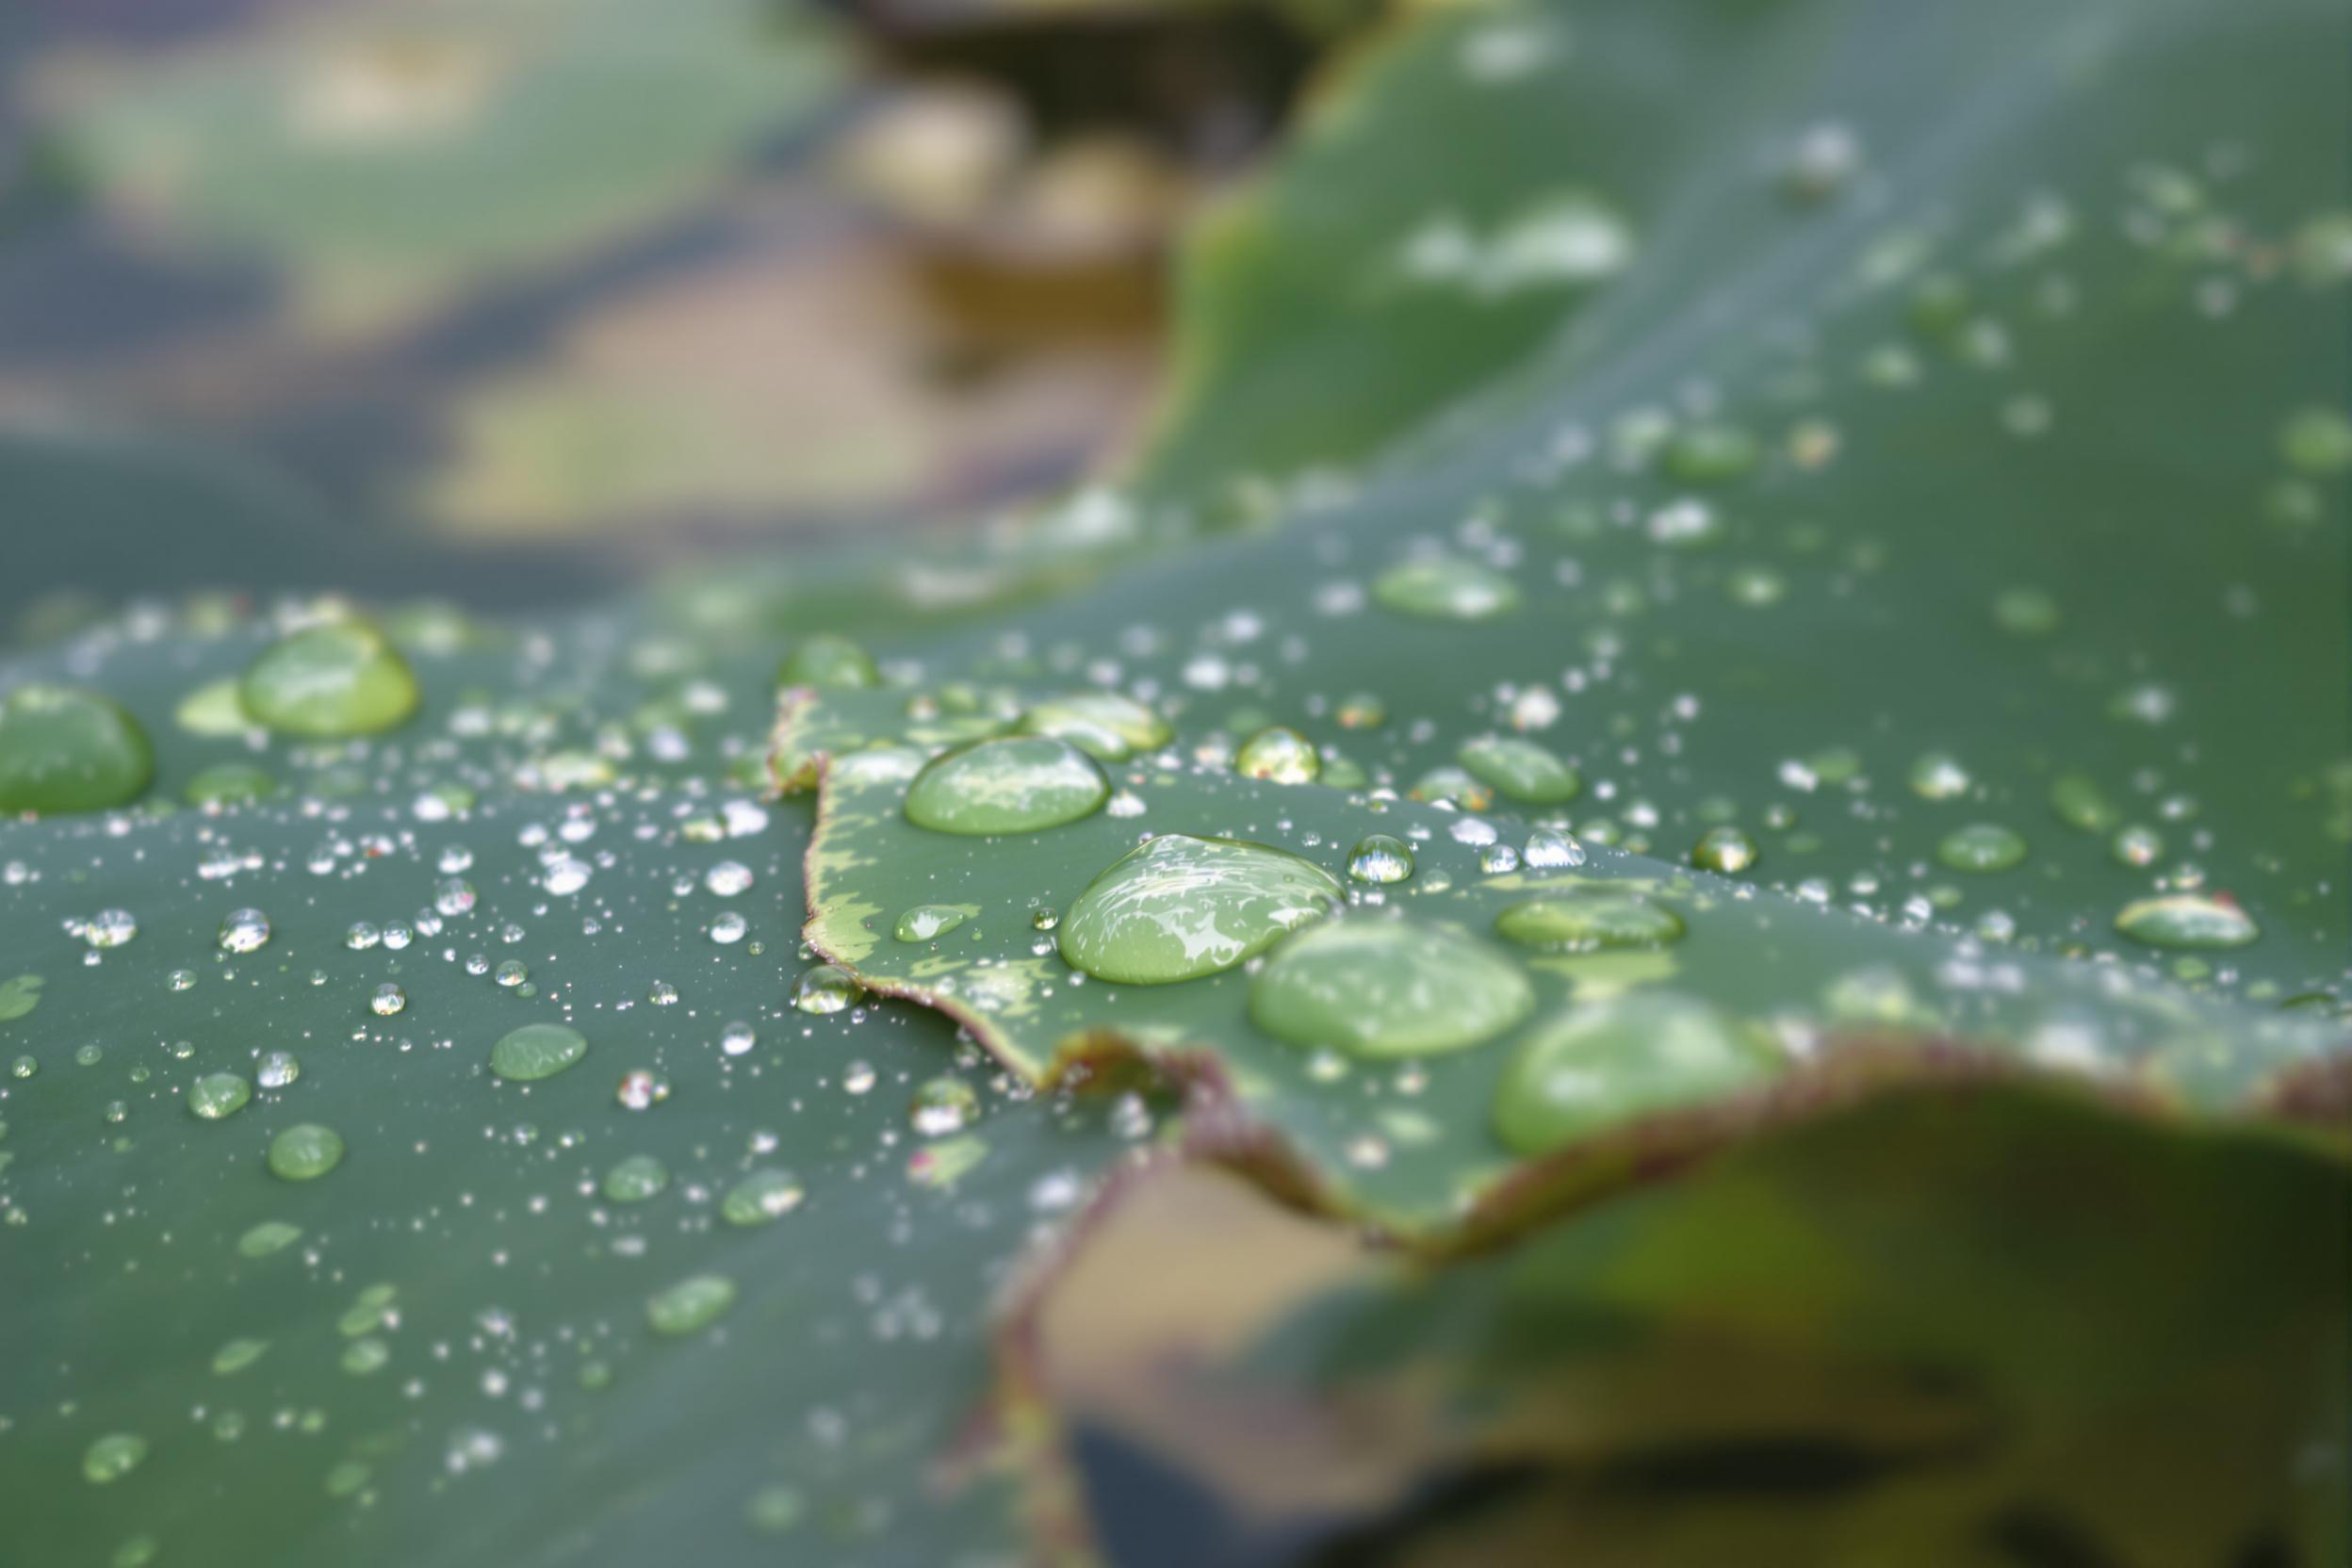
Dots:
pixel 1590 923
pixel 1018 784
pixel 1939 776
pixel 2317 441
pixel 2136 845
pixel 641 1089
pixel 2187 920
pixel 341 678
pixel 1632 1055
pixel 1387 987
pixel 511 973
pixel 1178 908
pixel 829 662
pixel 661 994
pixel 276 1069
pixel 1711 454
pixel 1982 846
pixel 1550 849
pixel 1445 588
pixel 635 1179
pixel 691 1305
pixel 390 999
pixel 2080 803
pixel 1379 858
pixel 68 750
pixel 728 878
pixel 926 922
pixel 113 1456
pixel 760 1197
pixel 2026 612
pixel 271 1236
pixel 244 930
pixel 1725 849
pixel 305 1152
pixel 1104 725
pixel 1454 785
pixel 729 928
pixel 181 979
pixel 236 1355
pixel 824 988
pixel 943 1106
pixel 454 897
pixel 536 1050
pixel 773 1510
pixel 736 1038
pixel 1521 769
pixel 217 1094
pixel 1280 756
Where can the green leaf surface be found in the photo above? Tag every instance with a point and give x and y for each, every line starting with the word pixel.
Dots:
pixel 490 1331
pixel 1425 1035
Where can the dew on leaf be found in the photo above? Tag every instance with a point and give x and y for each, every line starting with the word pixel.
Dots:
pixel 927 921
pixel 1280 756
pixel 2082 803
pixel 1551 849
pixel 760 1197
pixel 691 1305
pixel 1726 849
pixel 68 750
pixel 829 663
pixel 824 988
pixel 1445 588
pixel 536 1050
pixel 2187 921
pixel 305 1152
pixel 389 998
pixel 2136 844
pixel 635 1179
pixel 1104 725
pixel 236 1355
pixel 942 1106
pixel 344 678
pixel 1178 908
pixel 1590 923
pixel 276 1068
pixel 1939 776
pixel 1016 784
pixel 641 1089
pixel 113 1456
pixel 1610 1062
pixel 728 878
pixel 1379 858
pixel 217 1094
pixel 270 1236
pixel 1982 846
pixel 1387 987
pixel 244 930
pixel 1521 769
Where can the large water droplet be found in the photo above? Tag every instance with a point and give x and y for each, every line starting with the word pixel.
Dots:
pixel 1611 1061
pixel 635 1179
pixel 760 1197
pixel 1445 588
pixel 1177 907
pixel 1387 987
pixel 831 662
pixel 244 930
pixel 1590 923
pixel 1521 769
pixel 824 988
pixel 1016 784
pixel 217 1094
pixel 927 921
pixel 1983 846
pixel 536 1050
pixel 341 678
pixel 1104 725
pixel 1379 857
pixel 2187 920
pixel 305 1152
pixel 691 1305
pixel 1280 756
pixel 113 1456
pixel 66 750
pixel 1725 849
